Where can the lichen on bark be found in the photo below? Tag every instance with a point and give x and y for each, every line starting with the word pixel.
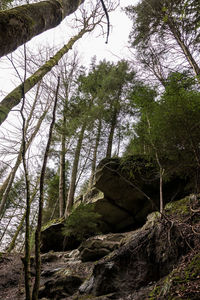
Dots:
pixel 18 25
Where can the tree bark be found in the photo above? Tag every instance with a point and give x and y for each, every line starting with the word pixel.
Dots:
pixel 18 25
pixel 70 198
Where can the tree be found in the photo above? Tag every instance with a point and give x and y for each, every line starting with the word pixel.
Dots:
pixel 144 99
pixel 7 184
pixel 69 75
pixel 181 105
pixel 168 129
pixel 82 222
pixel 41 203
pixel 164 22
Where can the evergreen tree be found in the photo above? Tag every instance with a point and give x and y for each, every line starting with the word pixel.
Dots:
pixel 163 22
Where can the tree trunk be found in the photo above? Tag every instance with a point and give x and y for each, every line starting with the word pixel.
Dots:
pixel 13 98
pixel 41 203
pixel 27 271
pixel 5 188
pixel 70 198
pixel 62 174
pixel 18 25
pixel 20 226
pixel 184 48
pixel 94 159
pixel 111 134
pixel 161 170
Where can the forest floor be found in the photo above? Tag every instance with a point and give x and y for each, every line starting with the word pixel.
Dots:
pixel 183 282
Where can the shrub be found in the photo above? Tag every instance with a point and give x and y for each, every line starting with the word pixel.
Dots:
pixel 82 223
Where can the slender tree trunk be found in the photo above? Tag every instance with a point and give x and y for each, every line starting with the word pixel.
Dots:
pixel 5 188
pixel 12 243
pixel 111 134
pixel 27 274
pixel 184 48
pixel 161 173
pixel 18 25
pixel 41 202
pixel 62 174
pixel 161 170
pixel 94 159
pixel 13 98
pixel 70 198
pixel 10 218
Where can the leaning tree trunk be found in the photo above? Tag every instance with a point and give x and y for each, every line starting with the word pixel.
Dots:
pixel 18 25
pixel 13 98
pixel 70 198
pixel 184 48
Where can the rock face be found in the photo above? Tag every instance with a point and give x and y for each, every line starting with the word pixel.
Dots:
pixel 126 186
pixel 134 265
pixel 97 247
pixel 125 192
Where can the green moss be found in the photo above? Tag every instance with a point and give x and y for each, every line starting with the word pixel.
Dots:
pixel 176 280
pixel 180 207
pixel 154 293
pixel 193 269
pixel 52 222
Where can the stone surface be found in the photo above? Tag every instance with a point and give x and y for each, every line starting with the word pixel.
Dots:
pixel 156 261
pixel 125 187
pixel 99 246
pixel 120 196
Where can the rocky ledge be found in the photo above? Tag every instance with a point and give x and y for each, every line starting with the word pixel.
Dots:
pixel 160 260
pixel 124 193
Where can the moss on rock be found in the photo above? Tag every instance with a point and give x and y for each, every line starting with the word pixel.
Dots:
pixel 180 207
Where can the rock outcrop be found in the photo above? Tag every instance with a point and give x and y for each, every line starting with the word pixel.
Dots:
pixel 160 260
pixel 124 193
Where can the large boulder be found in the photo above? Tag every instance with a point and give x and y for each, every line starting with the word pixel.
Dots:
pixel 149 254
pixel 124 193
pixel 130 191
